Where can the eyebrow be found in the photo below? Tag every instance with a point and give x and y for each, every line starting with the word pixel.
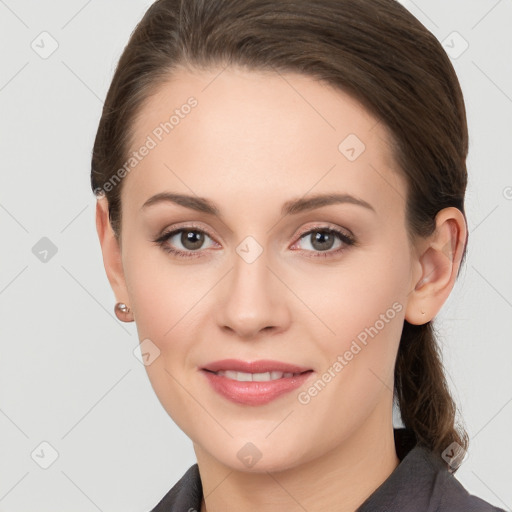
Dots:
pixel 291 207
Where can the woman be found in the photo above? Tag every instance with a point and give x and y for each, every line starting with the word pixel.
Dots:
pixel 281 211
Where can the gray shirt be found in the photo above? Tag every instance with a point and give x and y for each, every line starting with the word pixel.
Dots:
pixel 420 483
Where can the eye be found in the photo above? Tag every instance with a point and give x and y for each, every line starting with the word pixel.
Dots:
pixel 322 239
pixel 192 239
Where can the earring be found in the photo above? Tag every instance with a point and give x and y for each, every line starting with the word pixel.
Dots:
pixel 122 311
pixel 121 306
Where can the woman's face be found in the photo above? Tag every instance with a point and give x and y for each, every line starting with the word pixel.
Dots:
pixel 256 283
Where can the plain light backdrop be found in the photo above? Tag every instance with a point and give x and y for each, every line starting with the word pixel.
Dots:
pixel 73 396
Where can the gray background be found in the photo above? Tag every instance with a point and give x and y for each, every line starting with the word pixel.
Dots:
pixel 68 374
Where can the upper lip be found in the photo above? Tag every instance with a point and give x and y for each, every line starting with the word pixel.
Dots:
pixel 261 366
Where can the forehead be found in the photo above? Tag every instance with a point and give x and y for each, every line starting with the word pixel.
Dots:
pixel 259 133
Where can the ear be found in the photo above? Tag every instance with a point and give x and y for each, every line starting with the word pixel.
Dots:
pixel 111 249
pixel 438 263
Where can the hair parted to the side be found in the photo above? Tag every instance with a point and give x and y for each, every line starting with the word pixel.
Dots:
pixel 374 50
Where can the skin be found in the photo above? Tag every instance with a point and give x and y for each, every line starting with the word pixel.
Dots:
pixel 254 141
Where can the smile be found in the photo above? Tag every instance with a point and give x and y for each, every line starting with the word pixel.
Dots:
pixel 258 377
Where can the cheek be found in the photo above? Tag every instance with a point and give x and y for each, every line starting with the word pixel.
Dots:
pixel 164 299
pixel 162 293
pixel 359 294
pixel 365 308
pixel 359 358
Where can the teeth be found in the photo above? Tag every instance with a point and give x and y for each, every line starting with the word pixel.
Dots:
pixel 256 377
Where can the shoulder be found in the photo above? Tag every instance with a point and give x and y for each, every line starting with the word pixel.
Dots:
pixel 447 492
pixel 185 495
pixel 454 497
pixel 422 483
pixel 428 483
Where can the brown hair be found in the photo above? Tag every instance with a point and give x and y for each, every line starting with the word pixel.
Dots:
pixel 374 50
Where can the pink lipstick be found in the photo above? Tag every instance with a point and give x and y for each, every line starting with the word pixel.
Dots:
pixel 254 383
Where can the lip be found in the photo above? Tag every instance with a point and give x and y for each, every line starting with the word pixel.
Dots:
pixel 261 366
pixel 254 392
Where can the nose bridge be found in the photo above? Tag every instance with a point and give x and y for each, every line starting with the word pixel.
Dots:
pixel 251 300
pixel 250 277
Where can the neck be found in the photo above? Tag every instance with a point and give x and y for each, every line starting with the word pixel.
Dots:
pixel 340 480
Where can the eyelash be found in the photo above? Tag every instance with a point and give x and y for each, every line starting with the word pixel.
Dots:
pixel 348 240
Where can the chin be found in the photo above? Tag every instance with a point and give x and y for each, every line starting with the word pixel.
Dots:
pixel 254 457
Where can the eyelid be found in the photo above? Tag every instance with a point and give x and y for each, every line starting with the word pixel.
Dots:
pixel 191 225
pixel 325 225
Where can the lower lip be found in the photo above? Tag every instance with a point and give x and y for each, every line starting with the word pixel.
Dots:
pixel 254 393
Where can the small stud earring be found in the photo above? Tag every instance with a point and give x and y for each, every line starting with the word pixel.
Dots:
pixel 122 310
pixel 121 306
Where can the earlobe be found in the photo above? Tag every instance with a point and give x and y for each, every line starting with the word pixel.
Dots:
pixel 111 251
pixel 439 262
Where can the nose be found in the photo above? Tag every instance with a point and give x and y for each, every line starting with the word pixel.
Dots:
pixel 252 299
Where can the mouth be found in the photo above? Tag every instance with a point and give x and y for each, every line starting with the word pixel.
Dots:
pixel 254 383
